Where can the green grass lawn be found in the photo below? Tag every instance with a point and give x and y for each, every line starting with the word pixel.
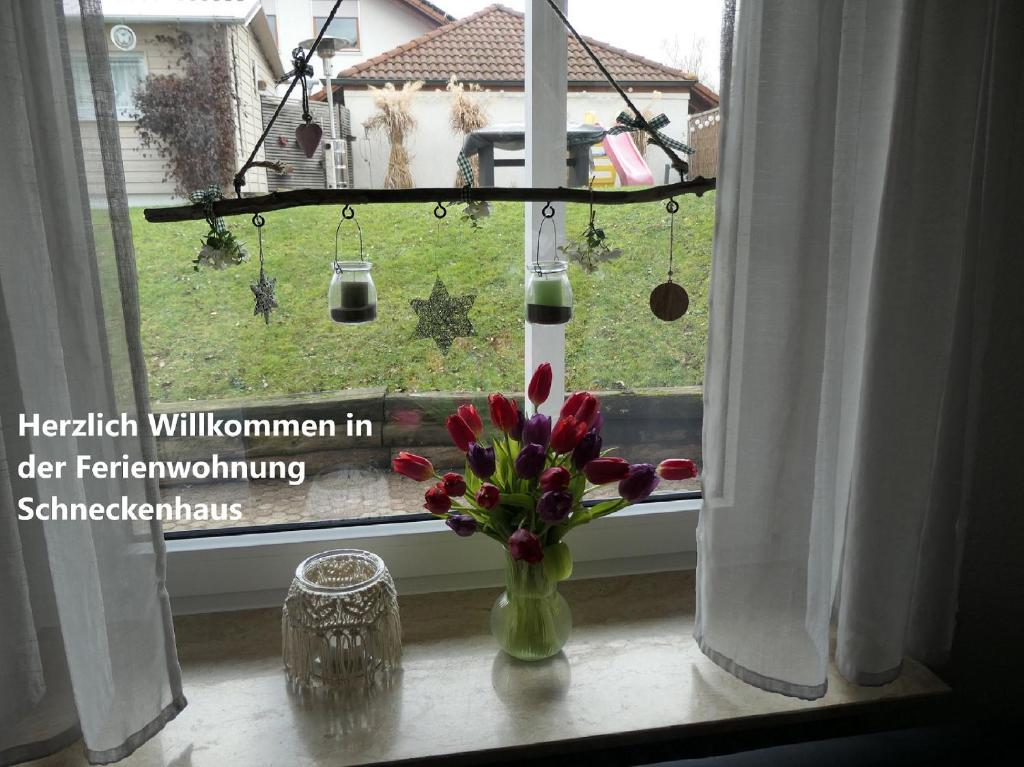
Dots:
pixel 202 341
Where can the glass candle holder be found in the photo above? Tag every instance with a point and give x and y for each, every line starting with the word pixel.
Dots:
pixel 352 296
pixel 340 624
pixel 548 294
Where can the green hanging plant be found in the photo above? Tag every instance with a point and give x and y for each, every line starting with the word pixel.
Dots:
pixel 475 212
pixel 590 248
pixel 220 248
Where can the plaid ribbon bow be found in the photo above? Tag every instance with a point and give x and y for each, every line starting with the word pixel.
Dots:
pixel 207 197
pixel 629 124
pixel 465 167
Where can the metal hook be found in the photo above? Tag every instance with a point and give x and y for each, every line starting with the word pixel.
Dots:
pixel 258 220
pixel 440 211
pixel 548 211
pixel 672 206
pixel 348 212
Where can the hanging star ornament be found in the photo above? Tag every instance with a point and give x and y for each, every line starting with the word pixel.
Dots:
pixel 263 289
pixel 443 317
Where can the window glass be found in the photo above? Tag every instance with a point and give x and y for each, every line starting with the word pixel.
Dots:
pixel 206 352
pixel 649 372
pixel 344 28
pixel 272 21
pixel 127 72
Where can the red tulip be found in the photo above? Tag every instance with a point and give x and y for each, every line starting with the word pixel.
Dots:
pixel 488 496
pixel 524 545
pixel 436 500
pixel 567 434
pixel 504 413
pixel 555 478
pixel 468 414
pixel 454 484
pixel 540 385
pixel 460 432
pixel 572 404
pixel 677 468
pixel 587 411
pixel 601 471
pixel 413 466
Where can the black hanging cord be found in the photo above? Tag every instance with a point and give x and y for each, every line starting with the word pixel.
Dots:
pixel 672 207
pixel 677 162
pixel 300 74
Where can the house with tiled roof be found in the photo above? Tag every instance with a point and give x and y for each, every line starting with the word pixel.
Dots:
pixel 487 49
pixel 369 27
pixel 149 38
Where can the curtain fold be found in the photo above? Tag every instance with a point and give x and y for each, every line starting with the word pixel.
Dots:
pixel 857 229
pixel 90 651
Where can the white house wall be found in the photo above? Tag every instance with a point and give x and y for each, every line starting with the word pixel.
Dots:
pixel 383 25
pixel 433 148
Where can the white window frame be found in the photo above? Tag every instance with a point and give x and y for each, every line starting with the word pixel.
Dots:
pixel 250 570
pixel 124 114
pixel 320 10
pixel 244 570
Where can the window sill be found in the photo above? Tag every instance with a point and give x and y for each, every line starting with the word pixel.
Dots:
pixel 254 569
pixel 630 687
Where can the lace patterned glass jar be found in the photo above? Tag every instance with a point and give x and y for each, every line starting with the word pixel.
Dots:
pixel 548 293
pixel 340 623
pixel 352 296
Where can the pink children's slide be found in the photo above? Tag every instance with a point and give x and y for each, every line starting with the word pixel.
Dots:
pixel 628 162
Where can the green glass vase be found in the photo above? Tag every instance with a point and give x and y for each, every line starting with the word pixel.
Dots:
pixel 530 620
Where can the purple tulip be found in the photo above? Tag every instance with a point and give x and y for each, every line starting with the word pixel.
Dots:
pixel 554 506
pixel 481 460
pixel 461 524
pixel 587 450
pixel 516 431
pixel 530 461
pixel 639 483
pixel 538 430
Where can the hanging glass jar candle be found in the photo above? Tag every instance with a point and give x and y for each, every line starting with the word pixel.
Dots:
pixel 351 296
pixel 548 292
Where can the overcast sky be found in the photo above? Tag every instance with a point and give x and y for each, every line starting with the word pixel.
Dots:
pixel 645 28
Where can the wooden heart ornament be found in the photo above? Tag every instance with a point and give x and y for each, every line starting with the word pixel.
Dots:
pixel 308 137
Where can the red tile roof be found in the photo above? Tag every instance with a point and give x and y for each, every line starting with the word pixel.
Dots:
pixel 430 10
pixel 487 48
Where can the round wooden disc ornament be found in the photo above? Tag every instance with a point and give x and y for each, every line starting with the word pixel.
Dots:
pixel 669 301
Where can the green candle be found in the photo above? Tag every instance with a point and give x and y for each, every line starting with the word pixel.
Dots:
pixel 547 292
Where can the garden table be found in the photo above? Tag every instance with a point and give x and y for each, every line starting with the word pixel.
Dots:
pixel 512 136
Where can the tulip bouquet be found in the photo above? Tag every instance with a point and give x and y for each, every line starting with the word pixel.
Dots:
pixel 526 490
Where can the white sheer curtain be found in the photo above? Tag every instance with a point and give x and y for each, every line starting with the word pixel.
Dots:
pixel 863 204
pixel 86 642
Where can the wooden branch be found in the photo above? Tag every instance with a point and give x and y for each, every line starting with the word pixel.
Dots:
pixel 299 198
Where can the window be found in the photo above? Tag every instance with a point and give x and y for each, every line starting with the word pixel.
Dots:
pixel 127 70
pixel 272 21
pixel 343 28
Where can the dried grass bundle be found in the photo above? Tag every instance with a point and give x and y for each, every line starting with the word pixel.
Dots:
pixel 641 138
pixel 465 115
pixel 394 117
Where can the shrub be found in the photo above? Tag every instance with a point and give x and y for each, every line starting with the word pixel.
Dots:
pixel 188 119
